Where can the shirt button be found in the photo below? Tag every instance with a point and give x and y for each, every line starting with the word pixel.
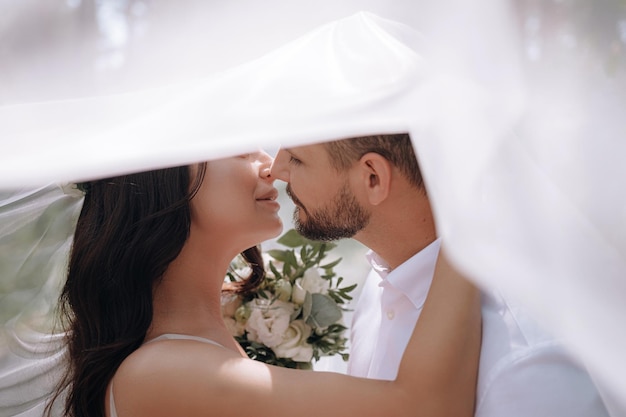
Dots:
pixel 390 314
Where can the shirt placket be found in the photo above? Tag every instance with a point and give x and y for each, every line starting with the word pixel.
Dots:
pixel 390 306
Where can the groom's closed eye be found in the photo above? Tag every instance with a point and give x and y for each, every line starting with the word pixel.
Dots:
pixel 293 158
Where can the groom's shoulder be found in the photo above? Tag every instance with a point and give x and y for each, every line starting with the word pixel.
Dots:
pixel 507 316
pixel 524 368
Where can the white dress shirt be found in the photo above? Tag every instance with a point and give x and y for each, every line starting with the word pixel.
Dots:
pixel 523 371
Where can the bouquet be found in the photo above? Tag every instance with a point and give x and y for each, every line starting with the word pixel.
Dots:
pixel 295 316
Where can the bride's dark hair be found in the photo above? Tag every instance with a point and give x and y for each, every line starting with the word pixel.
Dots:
pixel 129 230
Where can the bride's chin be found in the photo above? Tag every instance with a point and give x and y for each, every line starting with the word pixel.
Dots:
pixel 269 232
pixel 276 231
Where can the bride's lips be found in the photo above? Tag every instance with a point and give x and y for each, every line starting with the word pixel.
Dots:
pixel 269 198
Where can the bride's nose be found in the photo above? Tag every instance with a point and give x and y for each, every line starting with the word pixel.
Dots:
pixel 265 172
pixel 266 164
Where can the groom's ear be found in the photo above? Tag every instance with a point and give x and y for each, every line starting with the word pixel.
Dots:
pixel 375 174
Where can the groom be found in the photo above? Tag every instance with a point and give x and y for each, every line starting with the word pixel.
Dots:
pixel 370 188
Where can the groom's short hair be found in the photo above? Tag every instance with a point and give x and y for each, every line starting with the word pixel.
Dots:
pixel 396 148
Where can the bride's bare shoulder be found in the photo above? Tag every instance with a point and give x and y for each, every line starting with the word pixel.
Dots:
pixel 163 355
pixel 182 378
pixel 161 377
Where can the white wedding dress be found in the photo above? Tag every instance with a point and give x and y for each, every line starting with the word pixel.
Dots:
pixel 539 213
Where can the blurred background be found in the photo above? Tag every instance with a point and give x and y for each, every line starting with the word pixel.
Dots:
pixel 52 49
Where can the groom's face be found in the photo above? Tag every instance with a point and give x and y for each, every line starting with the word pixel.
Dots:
pixel 326 206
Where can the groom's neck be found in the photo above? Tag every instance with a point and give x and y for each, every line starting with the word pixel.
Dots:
pixel 399 229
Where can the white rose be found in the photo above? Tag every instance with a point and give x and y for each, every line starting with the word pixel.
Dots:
pixel 298 293
pixel 242 313
pixel 313 282
pixel 268 322
pixel 294 343
pixel 282 288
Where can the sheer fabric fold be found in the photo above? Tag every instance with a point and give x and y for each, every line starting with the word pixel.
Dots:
pixel 36 226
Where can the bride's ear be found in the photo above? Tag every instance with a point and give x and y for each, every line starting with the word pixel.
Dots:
pixel 375 174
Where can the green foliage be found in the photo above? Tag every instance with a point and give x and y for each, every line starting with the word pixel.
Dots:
pixel 330 342
pixel 262 353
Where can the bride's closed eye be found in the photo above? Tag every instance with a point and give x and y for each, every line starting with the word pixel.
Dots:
pixel 294 161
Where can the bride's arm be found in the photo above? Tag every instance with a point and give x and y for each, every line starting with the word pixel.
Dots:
pixel 445 346
pixel 437 376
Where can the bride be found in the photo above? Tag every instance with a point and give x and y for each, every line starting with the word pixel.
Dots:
pixel 145 334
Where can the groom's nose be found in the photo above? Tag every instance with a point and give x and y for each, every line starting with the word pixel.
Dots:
pixel 280 167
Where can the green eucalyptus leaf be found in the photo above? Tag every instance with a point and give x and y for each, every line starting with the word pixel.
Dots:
pixel 335 297
pixel 324 311
pixel 329 246
pixel 332 264
pixel 304 254
pixel 291 258
pixel 277 274
pixel 279 255
pixel 292 239
pixel 315 250
pixel 287 268
pixel 348 288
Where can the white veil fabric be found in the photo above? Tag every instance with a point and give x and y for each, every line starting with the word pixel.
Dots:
pixel 535 209
pixel 36 227
pixel 346 78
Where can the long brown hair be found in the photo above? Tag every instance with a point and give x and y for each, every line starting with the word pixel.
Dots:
pixel 129 230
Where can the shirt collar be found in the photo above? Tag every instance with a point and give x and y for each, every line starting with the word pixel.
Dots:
pixel 413 277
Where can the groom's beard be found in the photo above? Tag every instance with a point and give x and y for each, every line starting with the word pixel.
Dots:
pixel 341 218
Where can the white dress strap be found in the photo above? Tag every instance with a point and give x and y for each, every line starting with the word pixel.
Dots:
pixel 166 336
pixel 174 336
pixel 112 411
